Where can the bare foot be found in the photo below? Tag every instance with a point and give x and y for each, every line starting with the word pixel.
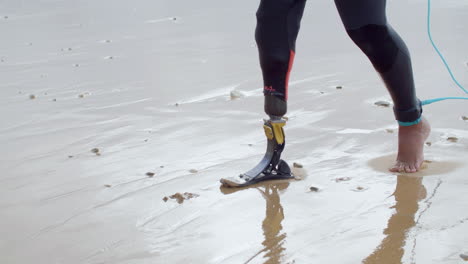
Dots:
pixel 410 146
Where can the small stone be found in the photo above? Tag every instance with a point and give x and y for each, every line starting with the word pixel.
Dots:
pixel 32 96
pixel 55 100
pixel 70 156
pixel 452 139
pixel 342 179
pixel 359 188
pixel 382 103
pixel 174 18
pixel 176 104
pixel 428 144
pixel 464 256
pixel 5 17
pixel 297 165
pixel 339 87
pixel 250 144
pixel 314 189
pixel 165 199
pixel 389 130
pixel 76 65
pixel 146 140
pixel 465 118
pixel 322 92
pixel 236 94
pixel 162 166
pixel 81 96
pixel 150 174
pixel 193 171
pixel 96 151
pixel 107 185
pixel 108 41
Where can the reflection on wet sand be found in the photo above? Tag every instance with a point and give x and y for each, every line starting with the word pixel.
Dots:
pixel 273 243
pixel 409 191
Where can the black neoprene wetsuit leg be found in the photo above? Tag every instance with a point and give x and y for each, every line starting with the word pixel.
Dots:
pixel 366 24
pixel 278 23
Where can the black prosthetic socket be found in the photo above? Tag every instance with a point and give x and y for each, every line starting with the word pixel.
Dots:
pixel 275 106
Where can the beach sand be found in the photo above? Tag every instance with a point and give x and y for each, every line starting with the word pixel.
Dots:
pixel 117 124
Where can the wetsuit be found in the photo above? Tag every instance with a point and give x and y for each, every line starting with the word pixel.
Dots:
pixel 365 21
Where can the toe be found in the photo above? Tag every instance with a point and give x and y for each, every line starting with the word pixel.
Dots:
pixel 395 167
pixel 407 168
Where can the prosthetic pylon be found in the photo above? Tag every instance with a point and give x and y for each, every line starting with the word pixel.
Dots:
pixel 271 167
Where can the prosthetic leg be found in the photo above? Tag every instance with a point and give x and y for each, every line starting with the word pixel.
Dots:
pixel 271 167
pixel 276 32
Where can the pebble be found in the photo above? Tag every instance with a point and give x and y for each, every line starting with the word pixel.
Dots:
pixel 314 189
pixel 236 94
pixel 382 103
pixel 452 139
pixel 389 130
pixel 76 65
pixel 342 179
pixel 81 96
pixel 161 166
pixel 339 87
pixel 165 199
pixel 297 165
pixel 70 156
pixel 150 174
pixel 96 151
pixel 55 100
pixel 193 171
pixel 176 104
pixel 428 144
pixel 32 96
pixel 465 118
pixel 5 17
pixel 107 185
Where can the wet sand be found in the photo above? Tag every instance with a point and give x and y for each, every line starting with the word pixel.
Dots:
pixel 117 122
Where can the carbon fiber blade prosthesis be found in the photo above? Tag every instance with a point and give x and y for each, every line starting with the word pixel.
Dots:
pixel 271 167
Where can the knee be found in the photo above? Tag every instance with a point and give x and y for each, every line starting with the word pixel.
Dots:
pixel 377 42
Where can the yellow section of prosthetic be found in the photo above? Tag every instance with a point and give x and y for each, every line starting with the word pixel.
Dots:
pixel 268 132
pixel 278 131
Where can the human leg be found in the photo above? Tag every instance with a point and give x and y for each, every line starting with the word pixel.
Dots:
pixel 366 23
